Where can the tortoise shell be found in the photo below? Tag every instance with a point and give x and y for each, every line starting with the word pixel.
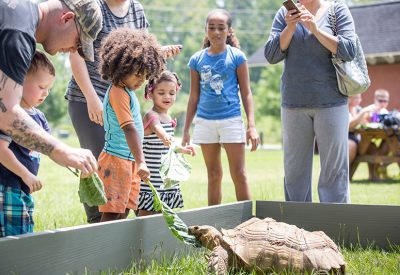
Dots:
pixel 270 245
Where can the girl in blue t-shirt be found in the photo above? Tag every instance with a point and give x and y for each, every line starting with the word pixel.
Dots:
pixel 218 73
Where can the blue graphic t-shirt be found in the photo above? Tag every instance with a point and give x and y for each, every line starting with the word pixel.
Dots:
pixel 30 159
pixel 219 88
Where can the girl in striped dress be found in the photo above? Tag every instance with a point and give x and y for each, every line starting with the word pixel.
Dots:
pixel 158 137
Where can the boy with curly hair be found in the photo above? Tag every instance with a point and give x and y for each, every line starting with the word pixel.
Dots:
pixel 127 58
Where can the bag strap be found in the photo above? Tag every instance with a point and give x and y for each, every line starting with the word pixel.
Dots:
pixel 332 18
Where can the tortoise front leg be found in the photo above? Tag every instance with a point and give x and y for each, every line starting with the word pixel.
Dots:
pixel 218 261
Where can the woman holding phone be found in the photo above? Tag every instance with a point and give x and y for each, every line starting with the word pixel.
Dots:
pixel 312 106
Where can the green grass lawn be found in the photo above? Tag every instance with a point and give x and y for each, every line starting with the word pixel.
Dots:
pixel 57 205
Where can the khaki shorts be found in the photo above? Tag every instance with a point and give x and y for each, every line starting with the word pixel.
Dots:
pixel 121 183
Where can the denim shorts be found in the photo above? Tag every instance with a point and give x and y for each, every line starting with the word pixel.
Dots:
pixel 16 212
pixel 230 130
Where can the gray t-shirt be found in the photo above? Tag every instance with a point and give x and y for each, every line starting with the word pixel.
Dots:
pixel 18 22
pixel 135 18
pixel 309 78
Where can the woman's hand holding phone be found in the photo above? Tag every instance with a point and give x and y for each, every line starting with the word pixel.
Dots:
pixel 292 17
pixel 291 6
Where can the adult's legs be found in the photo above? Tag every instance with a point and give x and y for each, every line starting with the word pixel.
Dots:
pixel 91 136
pixel 378 171
pixel 237 168
pixel 212 159
pixel 298 149
pixel 331 129
pixel 352 150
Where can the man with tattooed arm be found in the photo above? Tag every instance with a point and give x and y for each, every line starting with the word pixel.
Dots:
pixel 60 26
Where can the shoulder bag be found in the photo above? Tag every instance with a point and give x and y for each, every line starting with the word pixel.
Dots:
pixel 352 76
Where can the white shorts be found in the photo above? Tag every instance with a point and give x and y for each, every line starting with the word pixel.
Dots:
pixel 230 130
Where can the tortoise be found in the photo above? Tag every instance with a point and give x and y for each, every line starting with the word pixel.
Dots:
pixel 269 246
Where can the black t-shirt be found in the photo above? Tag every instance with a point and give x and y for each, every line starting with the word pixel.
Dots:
pixel 18 22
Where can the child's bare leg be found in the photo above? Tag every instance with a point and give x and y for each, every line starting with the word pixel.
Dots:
pixel 142 213
pixel 124 215
pixel 212 159
pixel 108 216
pixel 237 167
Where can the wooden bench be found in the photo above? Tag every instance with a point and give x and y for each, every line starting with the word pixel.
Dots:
pixel 368 136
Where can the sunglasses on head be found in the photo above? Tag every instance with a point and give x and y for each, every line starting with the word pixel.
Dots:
pixel 78 43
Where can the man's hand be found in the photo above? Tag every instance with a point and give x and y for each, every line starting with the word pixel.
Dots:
pixel 81 159
pixel 171 50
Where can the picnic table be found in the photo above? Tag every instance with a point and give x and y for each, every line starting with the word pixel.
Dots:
pixel 370 136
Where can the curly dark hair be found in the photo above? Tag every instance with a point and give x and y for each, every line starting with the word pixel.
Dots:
pixel 231 39
pixel 164 76
pixel 128 51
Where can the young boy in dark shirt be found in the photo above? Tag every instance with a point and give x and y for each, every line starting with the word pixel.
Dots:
pixel 19 165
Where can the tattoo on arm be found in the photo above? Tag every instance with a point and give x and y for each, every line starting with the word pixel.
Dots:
pixel 3 80
pixel 30 140
pixel 2 106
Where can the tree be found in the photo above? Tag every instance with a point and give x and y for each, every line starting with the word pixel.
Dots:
pixel 267 91
pixel 183 22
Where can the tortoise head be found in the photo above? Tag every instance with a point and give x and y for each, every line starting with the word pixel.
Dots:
pixel 208 236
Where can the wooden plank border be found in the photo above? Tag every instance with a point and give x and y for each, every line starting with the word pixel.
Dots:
pixel 347 224
pixel 108 246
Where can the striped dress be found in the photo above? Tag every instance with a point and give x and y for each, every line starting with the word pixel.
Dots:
pixel 153 149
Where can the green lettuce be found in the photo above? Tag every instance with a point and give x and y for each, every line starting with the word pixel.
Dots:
pixel 178 228
pixel 174 168
pixel 91 190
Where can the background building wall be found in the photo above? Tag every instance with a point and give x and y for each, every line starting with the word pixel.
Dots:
pixel 385 76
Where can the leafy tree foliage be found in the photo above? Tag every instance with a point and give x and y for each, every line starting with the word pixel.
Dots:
pixel 267 91
pixel 183 22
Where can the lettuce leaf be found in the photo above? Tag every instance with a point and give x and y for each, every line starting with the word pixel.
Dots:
pixel 178 228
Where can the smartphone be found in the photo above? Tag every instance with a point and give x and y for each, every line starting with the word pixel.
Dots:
pixel 290 5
